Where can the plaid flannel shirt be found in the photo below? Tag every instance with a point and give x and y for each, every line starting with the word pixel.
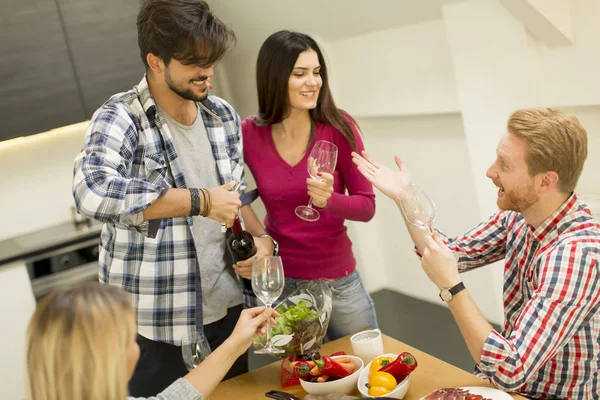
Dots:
pixel 127 162
pixel 550 344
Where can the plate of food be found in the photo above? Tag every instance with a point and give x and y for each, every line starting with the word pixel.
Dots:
pixel 468 393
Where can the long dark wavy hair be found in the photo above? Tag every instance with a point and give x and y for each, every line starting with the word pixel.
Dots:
pixel 275 63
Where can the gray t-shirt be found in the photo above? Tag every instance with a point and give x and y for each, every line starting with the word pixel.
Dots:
pixel 220 287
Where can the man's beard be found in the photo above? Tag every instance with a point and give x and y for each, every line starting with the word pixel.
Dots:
pixel 186 93
pixel 519 201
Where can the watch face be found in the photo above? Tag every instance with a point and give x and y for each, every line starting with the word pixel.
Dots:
pixel 446 295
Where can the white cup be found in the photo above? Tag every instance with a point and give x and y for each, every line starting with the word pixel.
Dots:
pixel 367 345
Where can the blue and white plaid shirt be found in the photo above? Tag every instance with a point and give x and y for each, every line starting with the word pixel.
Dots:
pixel 127 162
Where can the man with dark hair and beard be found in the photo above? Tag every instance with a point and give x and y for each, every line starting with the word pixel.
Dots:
pixel 158 166
pixel 549 346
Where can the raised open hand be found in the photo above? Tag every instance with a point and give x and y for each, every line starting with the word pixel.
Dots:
pixel 392 183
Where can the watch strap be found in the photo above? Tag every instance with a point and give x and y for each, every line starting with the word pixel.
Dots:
pixel 456 289
pixel 275 244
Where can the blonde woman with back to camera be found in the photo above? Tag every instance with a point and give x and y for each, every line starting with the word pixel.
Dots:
pixel 81 344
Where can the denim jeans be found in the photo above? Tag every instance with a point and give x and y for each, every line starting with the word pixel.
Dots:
pixel 353 309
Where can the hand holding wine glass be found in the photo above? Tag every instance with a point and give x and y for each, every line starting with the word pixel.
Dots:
pixel 267 284
pixel 251 323
pixel 322 159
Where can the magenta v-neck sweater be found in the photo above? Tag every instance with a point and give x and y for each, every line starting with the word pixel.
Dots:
pixel 309 250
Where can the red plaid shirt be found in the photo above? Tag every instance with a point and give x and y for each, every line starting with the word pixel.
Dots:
pixel 550 344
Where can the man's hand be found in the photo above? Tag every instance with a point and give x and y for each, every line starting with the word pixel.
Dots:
pixel 391 183
pixel 439 263
pixel 320 190
pixel 264 248
pixel 252 322
pixel 225 203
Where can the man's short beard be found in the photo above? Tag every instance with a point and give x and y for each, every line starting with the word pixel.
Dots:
pixel 184 93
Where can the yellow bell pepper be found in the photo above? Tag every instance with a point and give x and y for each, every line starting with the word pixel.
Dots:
pixel 378 391
pixel 379 363
pixel 381 383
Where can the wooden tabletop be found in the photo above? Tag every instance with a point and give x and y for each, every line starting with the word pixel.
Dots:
pixel 431 374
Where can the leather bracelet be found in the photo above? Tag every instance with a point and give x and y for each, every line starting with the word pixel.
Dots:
pixel 195 196
pixel 209 205
pixel 203 203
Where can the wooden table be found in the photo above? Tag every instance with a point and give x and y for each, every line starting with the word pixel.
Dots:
pixel 431 374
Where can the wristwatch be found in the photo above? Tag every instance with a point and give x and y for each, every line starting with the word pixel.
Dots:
pixel 448 294
pixel 275 244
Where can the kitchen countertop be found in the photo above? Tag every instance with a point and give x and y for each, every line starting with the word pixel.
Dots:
pixel 44 240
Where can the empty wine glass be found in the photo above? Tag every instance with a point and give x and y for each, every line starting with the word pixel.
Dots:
pixel 194 349
pixel 267 284
pixel 417 207
pixel 323 158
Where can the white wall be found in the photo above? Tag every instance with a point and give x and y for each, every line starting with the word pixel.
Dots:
pixel 16 307
pixel 390 73
pixel 36 174
pixel 571 72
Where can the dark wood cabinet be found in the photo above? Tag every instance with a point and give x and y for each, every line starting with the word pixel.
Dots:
pixel 102 36
pixel 61 59
pixel 38 89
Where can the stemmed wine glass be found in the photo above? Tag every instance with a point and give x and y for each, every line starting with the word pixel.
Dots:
pixel 417 207
pixel 194 349
pixel 267 284
pixel 322 159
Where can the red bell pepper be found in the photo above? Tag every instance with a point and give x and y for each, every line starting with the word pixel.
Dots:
pixel 401 367
pixel 302 370
pixel 330 367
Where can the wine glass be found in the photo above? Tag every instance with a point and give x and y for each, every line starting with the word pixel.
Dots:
pixel 417 207
pixel 323 158
pixel 267 284
pixel 194 349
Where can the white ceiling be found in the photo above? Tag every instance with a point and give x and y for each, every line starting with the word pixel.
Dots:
pixel 331 19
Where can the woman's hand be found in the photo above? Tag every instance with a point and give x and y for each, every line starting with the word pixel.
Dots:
pixel 320 190
pixel 252 322
pixel 392 183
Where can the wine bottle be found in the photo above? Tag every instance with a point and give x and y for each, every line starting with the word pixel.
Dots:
pixel 241 246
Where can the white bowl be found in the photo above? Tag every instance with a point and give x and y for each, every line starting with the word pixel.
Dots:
pixel 399 391
pixel 345 385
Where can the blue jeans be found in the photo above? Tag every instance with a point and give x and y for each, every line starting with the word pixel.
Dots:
pixel 353 309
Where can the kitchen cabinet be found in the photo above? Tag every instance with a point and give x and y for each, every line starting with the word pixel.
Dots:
pixel 61 59
pixel 102 36
pixel 38 90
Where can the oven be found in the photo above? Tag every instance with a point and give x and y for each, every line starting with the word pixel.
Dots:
pixel 63 266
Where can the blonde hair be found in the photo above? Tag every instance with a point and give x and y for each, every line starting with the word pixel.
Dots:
pixel 76 344
pixel 555 142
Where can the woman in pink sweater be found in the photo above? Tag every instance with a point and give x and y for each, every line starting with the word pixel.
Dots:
pixel 296 109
